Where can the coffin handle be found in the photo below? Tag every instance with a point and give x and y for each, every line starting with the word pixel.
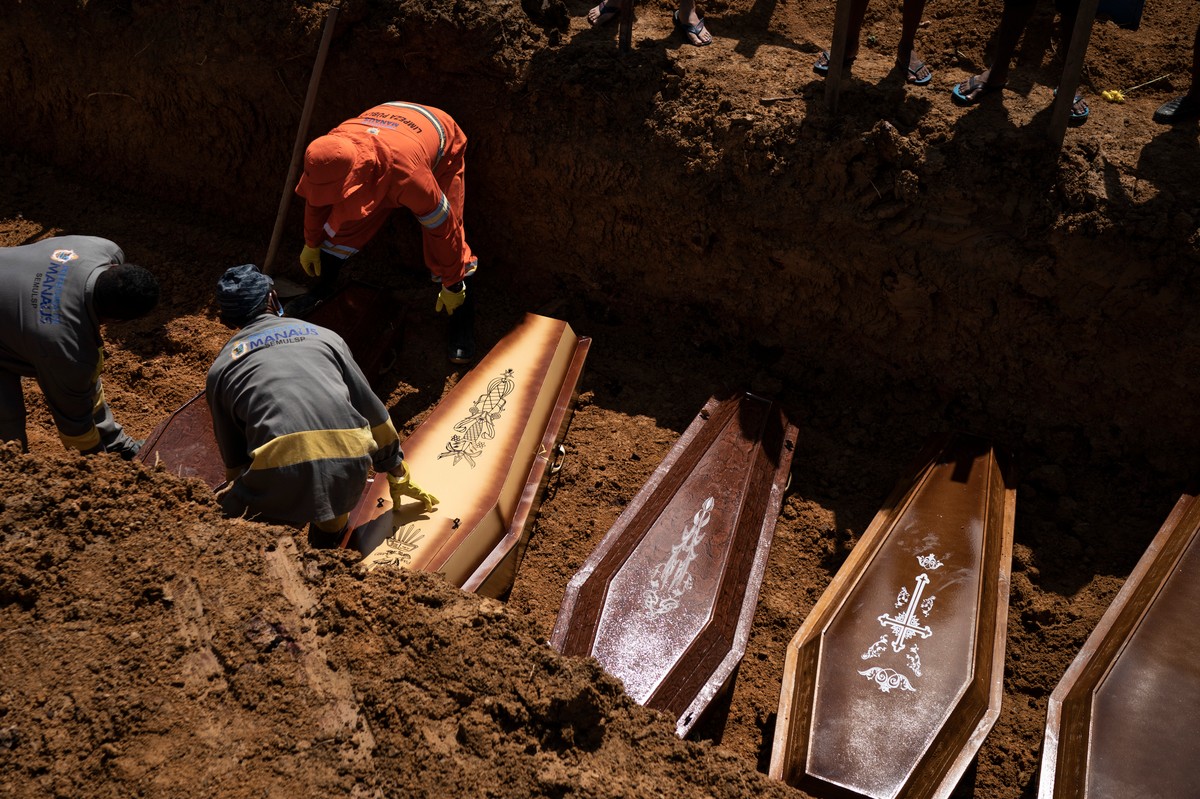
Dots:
pixel 560 454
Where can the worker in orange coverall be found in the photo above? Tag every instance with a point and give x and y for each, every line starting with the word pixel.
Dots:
pixel 393 155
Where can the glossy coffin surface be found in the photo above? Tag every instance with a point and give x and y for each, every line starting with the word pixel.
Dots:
pixel 666 600
pixel 1123 722
pixel 184 441
pixel 894 679
pixel 485 452
pixel 184 444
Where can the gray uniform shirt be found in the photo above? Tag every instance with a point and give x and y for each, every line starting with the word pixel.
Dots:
pixel 49 330
pixel 289 402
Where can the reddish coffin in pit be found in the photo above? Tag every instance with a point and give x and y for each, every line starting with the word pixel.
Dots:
pixel 894 679
pixel 666 601
pixel 1123 720
pixel 184 441
pixel 485 452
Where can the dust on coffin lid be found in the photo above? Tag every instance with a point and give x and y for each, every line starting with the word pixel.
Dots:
pixel 184 443
pixel 1122 721
pixel 666 600
pixel 475 452
pixel 895 677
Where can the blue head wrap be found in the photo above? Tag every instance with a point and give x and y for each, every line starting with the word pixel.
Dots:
pixel 241 292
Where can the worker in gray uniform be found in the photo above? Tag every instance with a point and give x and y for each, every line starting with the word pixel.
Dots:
pixel 54 295
pixel 296 422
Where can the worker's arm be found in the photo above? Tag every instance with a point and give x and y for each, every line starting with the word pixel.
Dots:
pixel 444 237
pixel 231 439
pixel 315 217
pixel 387 454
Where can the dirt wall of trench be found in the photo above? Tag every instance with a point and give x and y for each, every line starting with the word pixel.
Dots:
pixel 1027 288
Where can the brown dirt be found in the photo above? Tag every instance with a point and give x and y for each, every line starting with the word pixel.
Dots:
pixel 899 269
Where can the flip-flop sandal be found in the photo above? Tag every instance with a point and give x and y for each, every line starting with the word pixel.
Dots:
pixel 821 67
pixel 1077 117
pixel 695 30
pixel 914 71
pixel 606 14
pixel 976 90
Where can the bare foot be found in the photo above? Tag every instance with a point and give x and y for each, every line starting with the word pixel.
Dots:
pixel 692 27
pixel 604 13
pixel 918 73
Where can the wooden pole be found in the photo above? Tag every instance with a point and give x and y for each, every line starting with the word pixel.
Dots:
pixel 625 27
pixel 837 53
pixel 298 148
pixel 1072 70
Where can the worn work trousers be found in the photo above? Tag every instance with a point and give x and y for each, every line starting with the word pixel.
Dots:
pixel 12 419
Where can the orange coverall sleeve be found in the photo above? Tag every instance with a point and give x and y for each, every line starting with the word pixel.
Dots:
pixel 315 217
pixel 445 241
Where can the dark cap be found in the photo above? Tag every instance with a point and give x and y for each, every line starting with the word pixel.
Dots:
pixel 241 292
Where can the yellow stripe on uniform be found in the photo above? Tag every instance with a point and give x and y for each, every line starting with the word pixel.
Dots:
pixel 89 440
pixel 384 434
pixel 313 445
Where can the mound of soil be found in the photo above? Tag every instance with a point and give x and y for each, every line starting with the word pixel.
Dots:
pixel 896 269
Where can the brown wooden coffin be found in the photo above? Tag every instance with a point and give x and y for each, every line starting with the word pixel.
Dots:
pixel 485 452
pixel 895 677
pixel 361 314
pixel 184 443
pixel 666 600
pixel 1125 719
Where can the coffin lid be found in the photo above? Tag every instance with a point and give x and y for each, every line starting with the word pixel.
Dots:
pixel 485 451
pixel 666 600
pixel 895 677
pixel 1122 721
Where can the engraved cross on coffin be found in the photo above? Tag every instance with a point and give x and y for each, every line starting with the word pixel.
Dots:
pixel 896 704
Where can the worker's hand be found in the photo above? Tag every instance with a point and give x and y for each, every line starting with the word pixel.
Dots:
pixel 310 261
pixel 402 485
pixel 450 299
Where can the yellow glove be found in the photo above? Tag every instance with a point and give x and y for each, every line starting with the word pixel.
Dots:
pixel 404 487
pixel 1113 95
pixel 310 261
pixel 451 300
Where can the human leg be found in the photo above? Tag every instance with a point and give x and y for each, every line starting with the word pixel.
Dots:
pixel 689 21
pixel 331 268
pixel 858 12
pixel 460 333
pixel 328 533
pixel 335 251
pixel 605 12
pixel 112 436
pixel 918 73
pixel 1013 19
pixel 1185 107
pixel 12 410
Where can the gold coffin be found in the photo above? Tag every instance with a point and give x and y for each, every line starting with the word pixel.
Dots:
pixel 895 678
pixel 1122 722
pixel 486 453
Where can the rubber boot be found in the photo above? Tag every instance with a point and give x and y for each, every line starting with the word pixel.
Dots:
pixel 302 306
pixel 460 330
